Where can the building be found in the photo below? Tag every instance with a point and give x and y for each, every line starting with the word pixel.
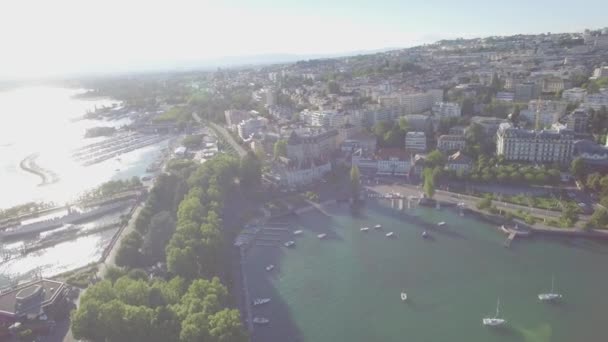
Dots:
pixel 393 162
pixel 234 117
pixel 459 162
pixel 458 130
pixel 415 142
pixel 546 146
pixel 290 173
pixel 597 100
pixel 411 103
pixel 446 109
pixel 447 143
pixel 600 72
pixel 31 301
pixel 419 123
pixel 526 91
pixel 310 144
pixel 488 124
pixel 548 106
pixel 546 118
pixel 323 118
pixel 554 84
pixel 574 95
pixel 360 141
pixel 594 155
pixel 578 121
pixel 250 127
pixel 505 96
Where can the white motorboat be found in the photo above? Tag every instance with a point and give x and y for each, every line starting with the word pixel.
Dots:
pixel 364 229
pixel 403 296
pixel 378 226
pixel 261 320
pixel 494 321
pixel 322 236
pixel 260 301
pixel 440 224
pixel 551 296
pixel 297 232
pixel 425 234
pixel 289 243
pixel 390 234
pixel 269 267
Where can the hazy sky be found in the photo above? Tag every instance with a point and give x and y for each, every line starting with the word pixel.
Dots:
pixel 41 38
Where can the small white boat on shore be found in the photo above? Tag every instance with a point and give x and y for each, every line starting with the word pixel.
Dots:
pixel 403 296
pixel 322 236
pixel 297 232
pixel 390 234
pixel 261 320
pixel 364 229
pixel 441 224
pixel 378 226
pixel 260 301
pixel 269 267
pixel 289 243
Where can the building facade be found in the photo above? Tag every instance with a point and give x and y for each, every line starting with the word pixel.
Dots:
pixel 574 95
pixel 546 146
pixel 415 142
pixel 251 126
pixel 446 143
pixel 446 109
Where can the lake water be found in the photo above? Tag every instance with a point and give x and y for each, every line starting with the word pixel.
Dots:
pixel 347 287
pixel 45 120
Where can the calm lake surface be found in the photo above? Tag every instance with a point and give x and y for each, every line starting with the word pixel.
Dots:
pixel 347 287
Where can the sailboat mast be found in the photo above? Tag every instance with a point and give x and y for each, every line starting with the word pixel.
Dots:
pixel 552 283
pixel 497 307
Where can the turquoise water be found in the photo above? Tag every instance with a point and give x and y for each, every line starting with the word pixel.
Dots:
pixel 347 287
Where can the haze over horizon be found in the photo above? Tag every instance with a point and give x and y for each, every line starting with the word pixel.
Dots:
pixel 68 37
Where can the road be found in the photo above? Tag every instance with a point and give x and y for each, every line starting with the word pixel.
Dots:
pixel 225 134
pixel 111 257
pixel 469 201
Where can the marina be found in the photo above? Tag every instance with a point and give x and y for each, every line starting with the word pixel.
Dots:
pixel 456 276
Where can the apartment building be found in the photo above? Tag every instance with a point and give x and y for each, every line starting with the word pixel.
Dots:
pixel 546 146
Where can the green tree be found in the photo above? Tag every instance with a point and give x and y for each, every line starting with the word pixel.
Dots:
pixel 250 170
pixel 158 235
pixel 593 181
pixel 225 326
pixel 429 182
pixel 569 215
pixel 484 203
pixel 467 106
pixel 435 159
pixel 599 219
pixel 577 168
pixel 128 253
pixel 280 148
pixel 355 182
pixel 403 124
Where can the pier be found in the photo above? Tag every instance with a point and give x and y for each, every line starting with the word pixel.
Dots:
pixel 113 147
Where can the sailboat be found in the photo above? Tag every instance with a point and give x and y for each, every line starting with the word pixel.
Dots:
pixel 494 321
pixel 551 295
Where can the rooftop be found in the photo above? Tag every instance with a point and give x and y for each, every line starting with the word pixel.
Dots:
pixel 9 300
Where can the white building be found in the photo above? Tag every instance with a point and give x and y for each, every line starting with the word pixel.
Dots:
pixel 323 118
pixel 415 142
pixel 448 142
pixel 548 106
pixel 574 95
pixel 446 109
pixel 600 72
pixel 546 146
pixel 251 126
pixel 393 161
pixel 411 103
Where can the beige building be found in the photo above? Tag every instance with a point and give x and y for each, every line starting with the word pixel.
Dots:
pixel 546 146
pixel 446 143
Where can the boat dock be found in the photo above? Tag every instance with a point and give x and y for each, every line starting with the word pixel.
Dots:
pixel 510 239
